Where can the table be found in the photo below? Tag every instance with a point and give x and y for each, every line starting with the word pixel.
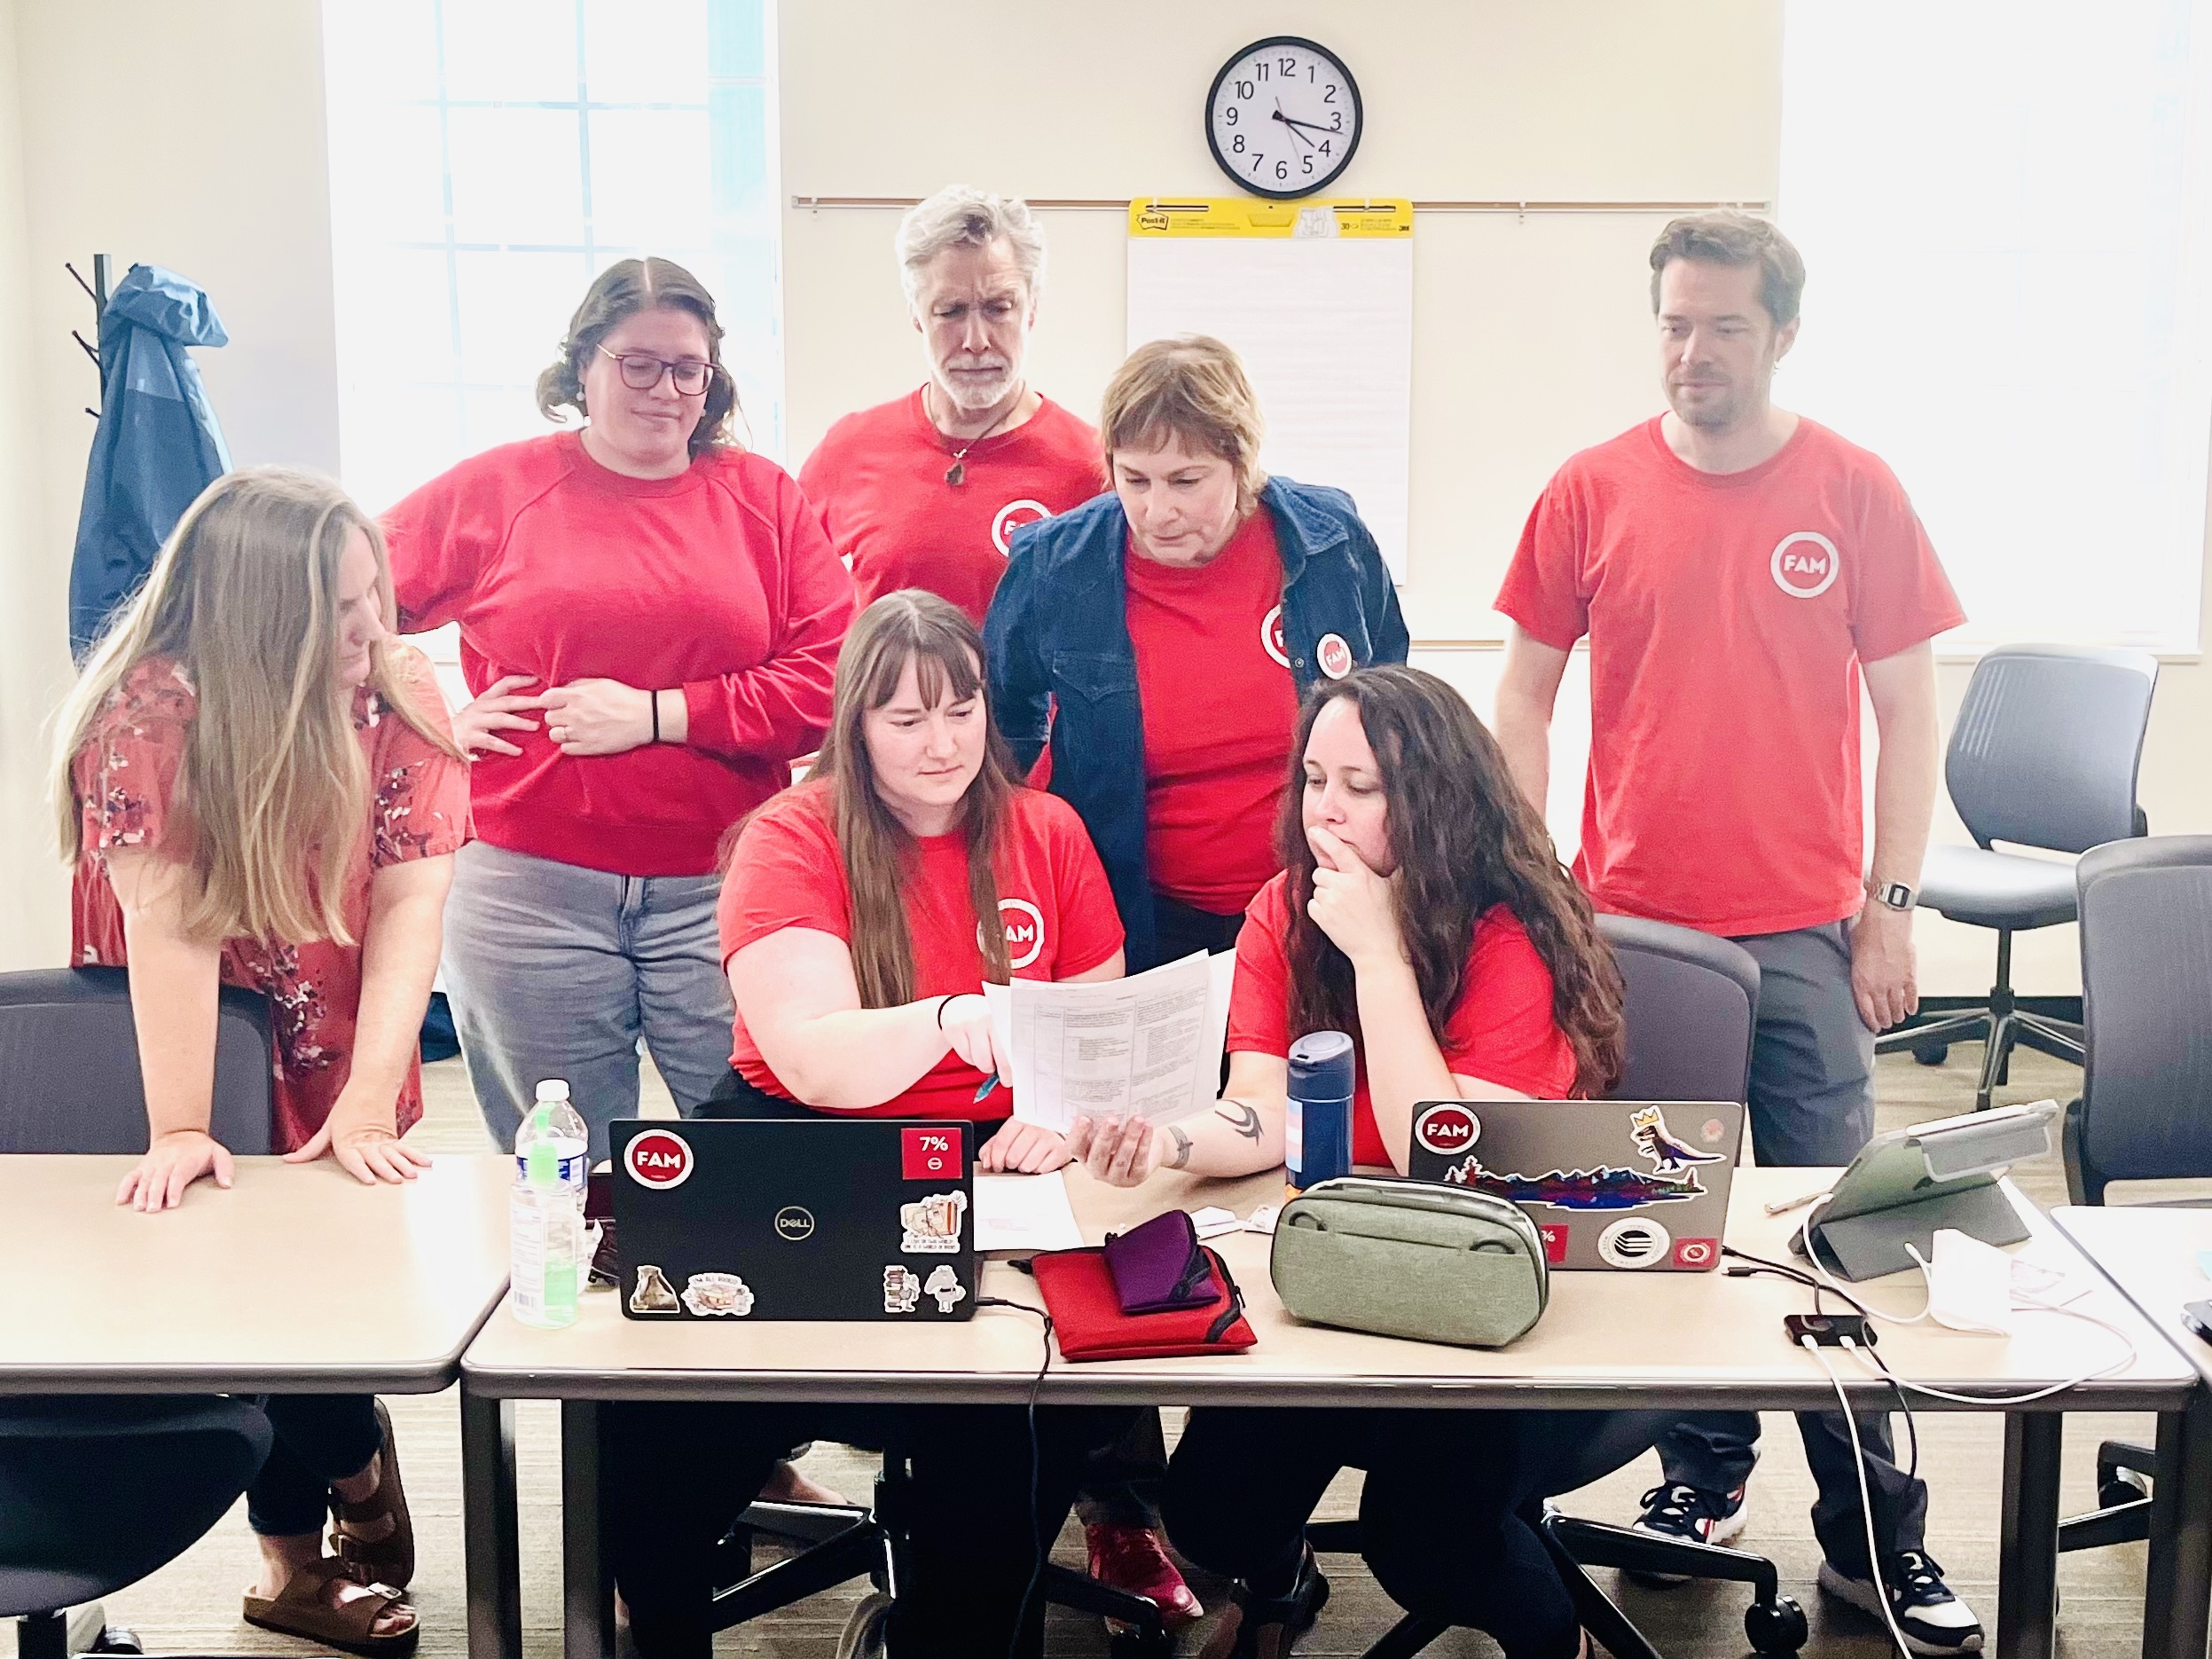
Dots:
pixel 1609 1341
pixel 2150 1255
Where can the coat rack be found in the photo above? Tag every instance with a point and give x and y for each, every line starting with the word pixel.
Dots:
pixel 98 289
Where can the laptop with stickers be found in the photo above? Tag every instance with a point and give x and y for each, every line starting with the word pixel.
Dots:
pixel 1628 1185
pixel 817 1218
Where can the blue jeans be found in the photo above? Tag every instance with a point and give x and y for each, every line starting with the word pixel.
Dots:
pixel 1812 1102
pixel 555 970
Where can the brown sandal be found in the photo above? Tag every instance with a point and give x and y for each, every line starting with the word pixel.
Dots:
pixel 303 1609
pixel 389 1559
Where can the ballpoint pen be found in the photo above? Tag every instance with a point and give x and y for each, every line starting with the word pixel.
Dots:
pixel 1782 1208
pixel 989 1083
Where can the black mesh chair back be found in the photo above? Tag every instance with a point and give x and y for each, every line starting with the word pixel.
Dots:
pixel 69 1076
pixel 2146 1111
pixel 1691 1001
pixel 2044 750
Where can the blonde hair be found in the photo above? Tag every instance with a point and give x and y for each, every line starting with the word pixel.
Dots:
pixel 273 795
pixel 1191 388
pixel 915 626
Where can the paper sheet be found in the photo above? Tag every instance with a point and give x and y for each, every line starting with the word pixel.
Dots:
pixel 1150 1044
pixel 1026 1213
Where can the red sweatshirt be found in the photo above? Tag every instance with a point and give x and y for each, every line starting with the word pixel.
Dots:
pixel 719 580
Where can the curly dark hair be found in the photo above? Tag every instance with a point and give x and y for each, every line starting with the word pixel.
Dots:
pixel 621 291
pixel 1465 840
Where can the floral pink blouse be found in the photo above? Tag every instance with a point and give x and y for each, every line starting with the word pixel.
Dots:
pixel 126 777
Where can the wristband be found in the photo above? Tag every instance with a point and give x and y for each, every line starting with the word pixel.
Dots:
pixel 655 700
pixel 943 1002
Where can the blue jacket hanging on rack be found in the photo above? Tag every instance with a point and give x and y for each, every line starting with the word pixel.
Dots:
pixel 158 445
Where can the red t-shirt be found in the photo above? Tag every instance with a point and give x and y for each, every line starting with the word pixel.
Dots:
pixel 1502 1031
pixel 1221 710
pixel 719 580
pixel 125 781
pixel 878 478
pixel 1728 613
pixel 1058 914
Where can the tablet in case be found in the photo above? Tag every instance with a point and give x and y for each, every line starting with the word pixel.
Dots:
pixel 746 1219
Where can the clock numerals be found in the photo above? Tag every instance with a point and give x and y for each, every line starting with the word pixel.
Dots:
pixel 1276 118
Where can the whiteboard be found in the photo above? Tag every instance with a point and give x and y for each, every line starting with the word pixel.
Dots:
pixel 1325 328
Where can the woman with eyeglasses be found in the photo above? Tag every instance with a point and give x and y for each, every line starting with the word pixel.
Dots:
pixel 650 621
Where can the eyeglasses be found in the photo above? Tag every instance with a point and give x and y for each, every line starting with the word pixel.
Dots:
pixel 641 372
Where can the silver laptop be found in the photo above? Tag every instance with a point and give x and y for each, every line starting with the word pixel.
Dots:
pixel 1638 1185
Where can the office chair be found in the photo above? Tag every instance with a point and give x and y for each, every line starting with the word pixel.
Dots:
pixel 1691 1003
pixel 2043 755
pixel 2147 980
pixel 69 1065
pixel 97 1492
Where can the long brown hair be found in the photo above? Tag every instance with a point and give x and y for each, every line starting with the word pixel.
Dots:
pixel 621 291
pixel 879 853
pixel 1465 838
pixel 244 597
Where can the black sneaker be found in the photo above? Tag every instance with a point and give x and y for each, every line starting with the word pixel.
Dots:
pixel 1931 1618
pixel 1688 1514
pixel 1268 1627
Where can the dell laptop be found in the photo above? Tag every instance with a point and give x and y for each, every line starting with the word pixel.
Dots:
pixel 821 1218
pixel 1638 1185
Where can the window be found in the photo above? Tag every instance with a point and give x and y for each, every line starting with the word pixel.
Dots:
pixel 2003 212
pixel 487 158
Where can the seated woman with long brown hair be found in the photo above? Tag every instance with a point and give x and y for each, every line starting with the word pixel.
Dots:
pixel 1424 913
pixel 257 785
pixel 863 912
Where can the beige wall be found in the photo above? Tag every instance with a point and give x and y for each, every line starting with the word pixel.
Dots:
pixel 207 154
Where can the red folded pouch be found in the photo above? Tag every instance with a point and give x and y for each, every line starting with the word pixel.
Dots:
pixel 1088 1319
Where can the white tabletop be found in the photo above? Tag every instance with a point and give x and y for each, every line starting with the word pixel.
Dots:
pixel 299 1278
pixel 1607 1340
pixel 2150 1254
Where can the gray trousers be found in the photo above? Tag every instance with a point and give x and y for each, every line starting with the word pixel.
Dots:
pixel 555 970
pixel 1812 1102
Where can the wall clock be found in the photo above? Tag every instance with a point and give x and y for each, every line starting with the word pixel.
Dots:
pixel 1283 117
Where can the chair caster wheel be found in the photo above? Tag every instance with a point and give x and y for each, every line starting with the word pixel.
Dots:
pixel 862 1637
pixel 1932 1053
pixel 1134 1644
pixel 1780 1630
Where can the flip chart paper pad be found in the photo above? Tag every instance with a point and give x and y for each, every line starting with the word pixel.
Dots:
pixel 1316 297
pixel 1149 1044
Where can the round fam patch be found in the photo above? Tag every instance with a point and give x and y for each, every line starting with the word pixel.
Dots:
pixel 1805 564
pixel 1011 517
pixel 658 1160
pixel 1271 637
pixel 1447 1130
pixel 1334 656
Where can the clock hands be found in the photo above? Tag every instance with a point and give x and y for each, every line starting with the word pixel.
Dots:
pixel 1294 125
pixel 1293 121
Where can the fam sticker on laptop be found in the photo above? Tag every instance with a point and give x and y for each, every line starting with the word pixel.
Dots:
pixel 658 1160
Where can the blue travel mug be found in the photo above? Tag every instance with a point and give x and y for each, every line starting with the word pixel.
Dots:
pixel 1317 1120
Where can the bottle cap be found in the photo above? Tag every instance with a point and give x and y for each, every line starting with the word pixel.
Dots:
pixel 1322 1066
pixel 552 1089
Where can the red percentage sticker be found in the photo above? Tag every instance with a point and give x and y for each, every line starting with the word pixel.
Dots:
pixel 929 1154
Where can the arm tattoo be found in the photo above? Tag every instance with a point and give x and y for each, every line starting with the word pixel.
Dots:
pixel 1181 1158
pixel 1241 1118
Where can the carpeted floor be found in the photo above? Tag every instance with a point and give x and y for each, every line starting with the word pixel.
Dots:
pixel 192 1605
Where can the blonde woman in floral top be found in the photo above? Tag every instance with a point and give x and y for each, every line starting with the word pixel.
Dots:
pixel 258 786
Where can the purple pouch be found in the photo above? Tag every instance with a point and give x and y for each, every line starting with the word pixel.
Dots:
pixel 1160 1266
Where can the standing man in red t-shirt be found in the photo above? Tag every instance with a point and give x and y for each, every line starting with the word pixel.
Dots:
pixel 1737 569
pixel 928 490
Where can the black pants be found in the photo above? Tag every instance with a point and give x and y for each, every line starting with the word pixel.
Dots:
pixel 1445 1517
pixel 1183 928
pixel 320 1438
pixel 678 1474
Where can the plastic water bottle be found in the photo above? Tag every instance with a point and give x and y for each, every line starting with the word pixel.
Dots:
pixel 1317 1118
pixel 543 1234
pixel 553 1119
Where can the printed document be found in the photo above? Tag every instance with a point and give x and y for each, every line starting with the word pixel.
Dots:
pixel 1149 1045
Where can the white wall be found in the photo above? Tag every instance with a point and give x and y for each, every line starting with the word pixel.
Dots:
pixel 192 136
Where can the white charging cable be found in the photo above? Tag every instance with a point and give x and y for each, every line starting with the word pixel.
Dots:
pixel 1866 1495
pixel 1812 1257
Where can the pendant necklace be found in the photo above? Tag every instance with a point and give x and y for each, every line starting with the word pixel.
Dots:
pixel 957 473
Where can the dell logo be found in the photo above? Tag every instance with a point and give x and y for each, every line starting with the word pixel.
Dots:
pixel 794 1223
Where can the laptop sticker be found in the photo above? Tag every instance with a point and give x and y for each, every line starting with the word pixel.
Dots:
pixel 1696 1253
pixel 1673 1176
pixel 1633 1241
pixel 902 1290
pixel 1671 1160
pixel 658 1158
pixel 1555 1235
pixel 929 1154
pixel 944 1286
pixel 654 1293
pixel 718 1295
pixel 932 1224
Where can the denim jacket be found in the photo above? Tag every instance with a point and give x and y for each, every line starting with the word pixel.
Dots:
pixel 1058 631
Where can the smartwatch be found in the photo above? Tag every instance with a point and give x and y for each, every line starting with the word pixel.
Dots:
pixel 1895 895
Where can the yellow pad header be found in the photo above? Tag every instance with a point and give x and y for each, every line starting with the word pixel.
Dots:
pixel 1320 216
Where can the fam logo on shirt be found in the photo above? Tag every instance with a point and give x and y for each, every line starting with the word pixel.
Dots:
pixel 1271 637
pixel 1025 925
pixel 1805 564
pixel 1011 517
